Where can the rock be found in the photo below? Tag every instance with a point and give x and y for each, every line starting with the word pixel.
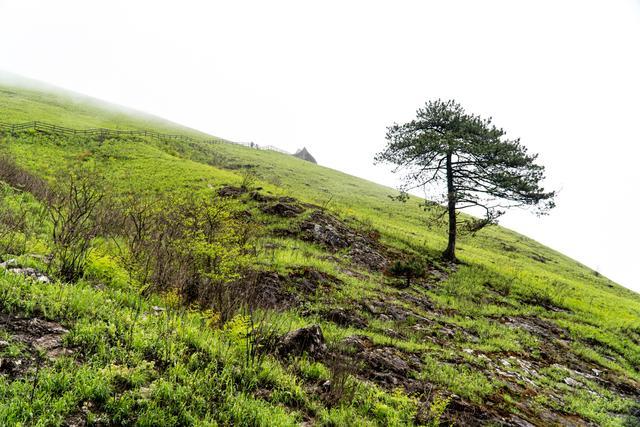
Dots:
pixel 519 422
pixel 309 280
pixel 596 372
pixel 397 313
pixel 385 311
pixel 307 340
pixel 366 255
pixel 371 308
pixel 344 317
pixel 270 290
pixel 420 301
pixel 536 326
pixel 30 273
pixel 571 382
pixel 4 344
pixel 527 367
pixel 157 309
pixel 386 360
pixel 285 210
pixel 328 235
pixel 286 199
pixel 506 374
pixel 231 191
pixel 336 235
pixel 393 333
pixel 328 230
pixel 447 332
pixel 10 366
pixel 8 262
pixel 358 342
pixel 259 197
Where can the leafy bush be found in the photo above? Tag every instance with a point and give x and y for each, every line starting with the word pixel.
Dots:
pixel 410 269
pixel 194 244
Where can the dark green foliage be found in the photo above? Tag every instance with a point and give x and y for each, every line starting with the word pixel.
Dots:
pixel 408 270
pixel 463 160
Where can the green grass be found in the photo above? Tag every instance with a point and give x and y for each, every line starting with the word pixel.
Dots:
pixel 174 369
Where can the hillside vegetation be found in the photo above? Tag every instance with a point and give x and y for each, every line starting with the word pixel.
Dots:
pixel 280 293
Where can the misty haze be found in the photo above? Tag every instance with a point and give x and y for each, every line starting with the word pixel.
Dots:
pixel 280 213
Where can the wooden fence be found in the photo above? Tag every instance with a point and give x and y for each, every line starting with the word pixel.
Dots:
pixel 104 133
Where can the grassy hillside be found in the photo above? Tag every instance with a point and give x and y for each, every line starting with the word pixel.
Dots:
pixel 515 334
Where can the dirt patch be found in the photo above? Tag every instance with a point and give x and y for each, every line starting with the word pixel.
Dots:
pixel 231 191
pixel 262 198
pixel 34 336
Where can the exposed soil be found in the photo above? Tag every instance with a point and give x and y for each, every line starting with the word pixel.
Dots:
pixel 37 337
pixel 231 191
pixel 283 209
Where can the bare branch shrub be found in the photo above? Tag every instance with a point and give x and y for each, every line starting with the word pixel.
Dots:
pixel 132 231
pixel 341 387
pixel 196 245
pixel 76 210
pixel 263 334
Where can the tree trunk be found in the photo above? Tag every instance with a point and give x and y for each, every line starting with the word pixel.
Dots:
pixel 450 252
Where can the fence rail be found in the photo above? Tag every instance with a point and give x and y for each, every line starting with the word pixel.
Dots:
pixel 103 133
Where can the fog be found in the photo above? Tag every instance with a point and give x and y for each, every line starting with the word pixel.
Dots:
pixel 562 76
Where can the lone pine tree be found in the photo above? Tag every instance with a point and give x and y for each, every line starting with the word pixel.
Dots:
pixel 462 161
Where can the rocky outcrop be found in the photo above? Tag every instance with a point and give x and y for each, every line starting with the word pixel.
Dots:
pixel 309 340
pixel 283 209
pixel 329 231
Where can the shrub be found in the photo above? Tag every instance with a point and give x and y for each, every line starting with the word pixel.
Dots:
pixel 408 270
pixel 77 213
pixel 194 244
pixel 341 384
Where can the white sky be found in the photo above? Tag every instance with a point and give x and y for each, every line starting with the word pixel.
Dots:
pixel 562 75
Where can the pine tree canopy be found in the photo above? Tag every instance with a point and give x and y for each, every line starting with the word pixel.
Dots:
pixel 464 160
